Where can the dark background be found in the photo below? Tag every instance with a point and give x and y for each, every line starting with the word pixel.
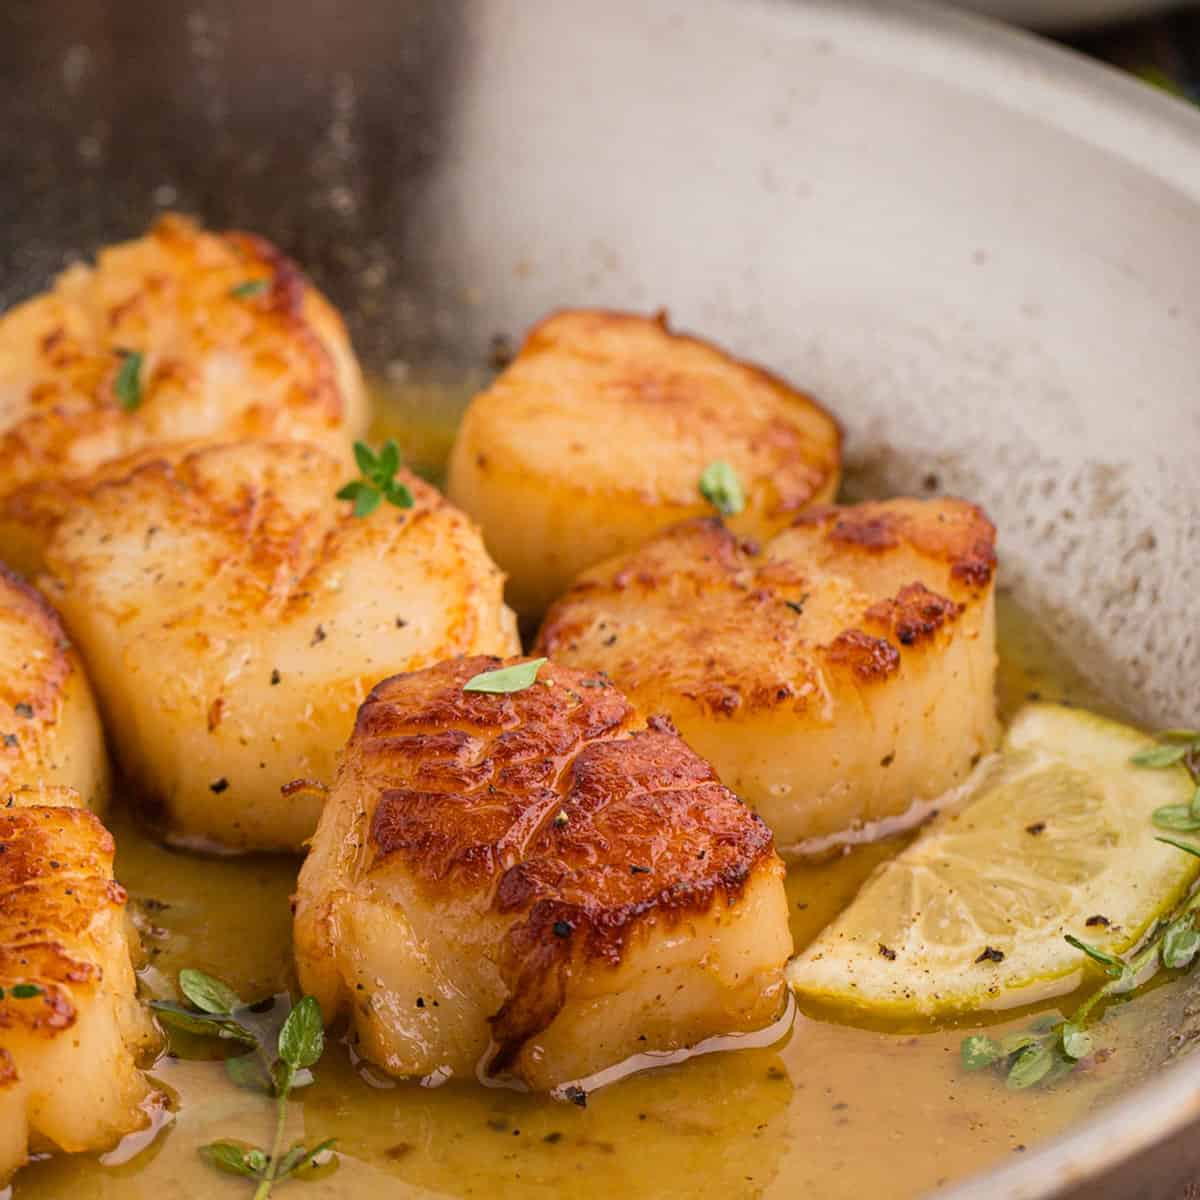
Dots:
pixel 1164 50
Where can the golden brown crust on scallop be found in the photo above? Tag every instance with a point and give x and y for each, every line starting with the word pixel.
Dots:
pixel 234 614
pixel 71 1028
pixel 265 509
pixel 913 614
pixel 8 1070
pixel 699 570
pixel 46 643
pixel 577 818
pixel 870 658
pixel 30 514
pixel 597 435
pixel 696 393
pixel 217 364
pixel 55 879
pixel 642 811
pixel 959 534
pixel 774 610
pixel 810 669
pixel 475 782
pixel 49 732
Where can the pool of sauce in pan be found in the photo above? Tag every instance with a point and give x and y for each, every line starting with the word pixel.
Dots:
pixel 831 1111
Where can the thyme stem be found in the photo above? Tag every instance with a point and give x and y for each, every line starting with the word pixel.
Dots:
pixel 264 1187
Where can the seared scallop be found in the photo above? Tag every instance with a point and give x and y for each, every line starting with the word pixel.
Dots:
pixel 599 432
pixel 50 735
pixel 180 336
pixel 540 884
pixel 839 677
pixel 71 1028
pixel 233 614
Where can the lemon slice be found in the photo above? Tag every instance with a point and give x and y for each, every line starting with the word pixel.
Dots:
pixel 1058 839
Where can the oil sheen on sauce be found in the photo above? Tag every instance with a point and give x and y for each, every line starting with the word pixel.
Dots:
pixel 830 1111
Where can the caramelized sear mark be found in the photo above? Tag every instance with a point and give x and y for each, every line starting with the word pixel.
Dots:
pixel 650 829
pixel 870 658
pixel 229 591
pixel 71 1029
pixel 565 827
pixel 50 734
pixel 216 366
pixel 961 537
pixel 802 667
pixel 487 774
pixel 914 614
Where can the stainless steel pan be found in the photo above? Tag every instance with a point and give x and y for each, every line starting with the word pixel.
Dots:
pixel 983 252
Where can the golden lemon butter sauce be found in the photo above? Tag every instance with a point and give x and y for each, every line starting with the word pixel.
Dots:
pixel 831 1110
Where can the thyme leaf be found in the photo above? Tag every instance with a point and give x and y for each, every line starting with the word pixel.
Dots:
pixel 206 993
pixel 1076 1042
pixel 1179 817
pixel 127 387
pixel 1158 757
pixel 1112 965
pixel 378 482
pixel 1180 943
pixel 1032 1065
pixel 231 1158
pixel 979 1051
pixel 504 680
pixel 720 486
pixel 251 287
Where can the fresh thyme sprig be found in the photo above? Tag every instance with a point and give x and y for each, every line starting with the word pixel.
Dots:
pixel 218 1011
pixel 1051 1047
pixel 378 480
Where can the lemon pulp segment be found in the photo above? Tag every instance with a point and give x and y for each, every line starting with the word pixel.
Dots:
pixel 1059 839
